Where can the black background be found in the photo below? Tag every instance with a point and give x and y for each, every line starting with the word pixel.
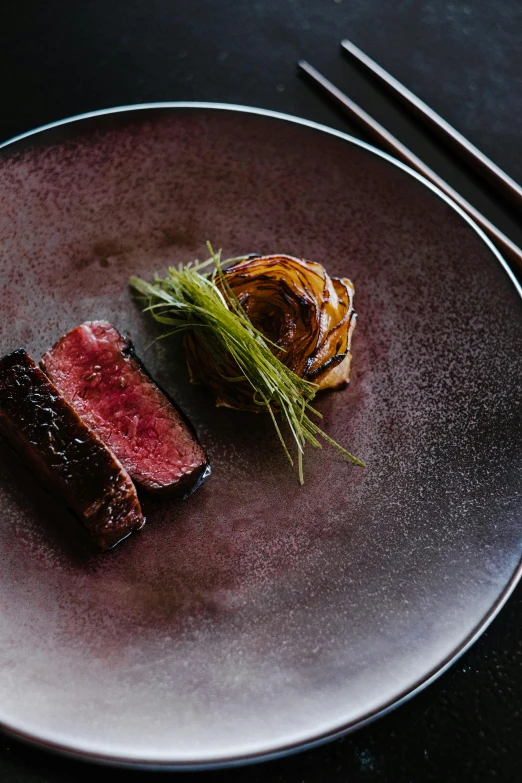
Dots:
pixel 62 58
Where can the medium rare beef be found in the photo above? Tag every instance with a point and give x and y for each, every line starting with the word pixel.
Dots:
pixel 96 371
pixel 64 453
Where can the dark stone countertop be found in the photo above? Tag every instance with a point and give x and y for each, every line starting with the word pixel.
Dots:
pixel 59 59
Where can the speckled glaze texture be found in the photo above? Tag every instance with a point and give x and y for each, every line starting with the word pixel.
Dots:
pixel 257 615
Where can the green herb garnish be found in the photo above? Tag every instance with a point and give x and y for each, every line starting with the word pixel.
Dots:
pixel 189 299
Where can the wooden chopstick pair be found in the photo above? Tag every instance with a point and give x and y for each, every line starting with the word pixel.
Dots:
pixel 502 183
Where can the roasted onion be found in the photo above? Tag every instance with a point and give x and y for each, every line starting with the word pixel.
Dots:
pixel 306 315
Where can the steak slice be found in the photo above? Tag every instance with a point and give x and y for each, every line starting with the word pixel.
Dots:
pixel 96 371
pixel 64 453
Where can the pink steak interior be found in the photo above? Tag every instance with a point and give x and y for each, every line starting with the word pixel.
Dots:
pixel 94 369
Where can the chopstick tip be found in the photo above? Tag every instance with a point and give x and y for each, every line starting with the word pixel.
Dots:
pixel 307 70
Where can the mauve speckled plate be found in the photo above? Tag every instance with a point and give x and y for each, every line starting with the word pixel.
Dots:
pixel 256 616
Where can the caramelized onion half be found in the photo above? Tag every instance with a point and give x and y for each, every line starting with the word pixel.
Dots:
pixel 303 311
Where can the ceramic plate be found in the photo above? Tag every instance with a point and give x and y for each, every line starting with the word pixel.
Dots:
pixel 257 616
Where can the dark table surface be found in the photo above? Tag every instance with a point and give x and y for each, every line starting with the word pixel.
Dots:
pixel 463 57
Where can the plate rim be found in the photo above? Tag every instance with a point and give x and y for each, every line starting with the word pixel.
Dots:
pixel 82 754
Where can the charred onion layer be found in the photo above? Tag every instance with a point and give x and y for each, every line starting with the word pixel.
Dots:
pixel 307 315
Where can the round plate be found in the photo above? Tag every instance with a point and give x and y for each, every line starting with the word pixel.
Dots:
pixel 258 616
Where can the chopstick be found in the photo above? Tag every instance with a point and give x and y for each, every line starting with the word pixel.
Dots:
pixel 399 150
pixel 480 163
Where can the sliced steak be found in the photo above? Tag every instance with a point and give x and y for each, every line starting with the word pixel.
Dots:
pixel 64 453
pixel 96 371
